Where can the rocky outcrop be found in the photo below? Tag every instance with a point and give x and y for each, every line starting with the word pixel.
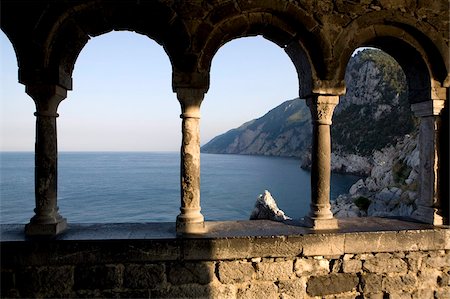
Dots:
pixel 392 187
pixel 266 208
pixel 372 115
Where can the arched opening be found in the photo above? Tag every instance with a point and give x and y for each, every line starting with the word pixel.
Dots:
pixel 117 129
pixel 266 129
pixel 16 141
pixel 375 135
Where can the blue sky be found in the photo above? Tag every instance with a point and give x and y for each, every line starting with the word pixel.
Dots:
pixel 122 98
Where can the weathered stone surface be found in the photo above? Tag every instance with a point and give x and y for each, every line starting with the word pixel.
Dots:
pixel 324 245
pixel 331 284
pixel 256 290
pixel 371 283
pixel 399 295
pixel 232 272
pixel 184 273
pixel 147 276
pixel 292 289
pixel 310 266
pixel 274 270
pixel 98 277
pixel 385 265
pixel 183 291
pixel 399 283
pixel 352 266
pixel 46 281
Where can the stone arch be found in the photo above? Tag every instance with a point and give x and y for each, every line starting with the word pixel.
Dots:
pixel 424 61
pixel 62 33
pixel 291 29
pixel 423 55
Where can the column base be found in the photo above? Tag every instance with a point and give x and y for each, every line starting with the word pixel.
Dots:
pixel 46 229
pixel 319 224
pixel 190 221
pixel 190 228
pixel 428 215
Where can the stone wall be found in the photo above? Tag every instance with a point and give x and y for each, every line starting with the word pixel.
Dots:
pixel 405 274
pixel 387 264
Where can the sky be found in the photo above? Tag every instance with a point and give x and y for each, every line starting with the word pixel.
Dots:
pixel 122 98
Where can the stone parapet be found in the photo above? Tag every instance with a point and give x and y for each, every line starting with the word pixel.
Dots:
pixel 245 259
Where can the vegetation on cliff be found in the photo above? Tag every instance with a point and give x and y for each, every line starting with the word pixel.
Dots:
pixel 373 114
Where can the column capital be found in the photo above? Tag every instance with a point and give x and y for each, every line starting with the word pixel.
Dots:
pixel 322 108
pixel 431 107
pixel 47 97
pixel 190 100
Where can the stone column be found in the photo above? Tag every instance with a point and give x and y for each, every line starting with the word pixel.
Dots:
pixel 428 204
pixel 46 221
pixel 190 220
pixel 320 216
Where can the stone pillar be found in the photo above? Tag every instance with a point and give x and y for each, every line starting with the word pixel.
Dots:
pixel 320 216
pixel 190 220
pixel 46 221
pixel 428 204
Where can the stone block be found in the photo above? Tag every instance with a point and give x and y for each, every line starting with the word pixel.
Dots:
pixel 428 278
pixel 438 262
pixel 257 289
pixel 400 295
pixel 385 265
pixel 182 291
pixel 274 271
pixel 423 293
pixel 98 277
pixel 399 283
pixel 46 281
pixel 217 249
pixel 143 276
pixel 292 289
pixel 443 293
pixel 414 260
pixel 323 244
pixel 389 241
pixel 308 266
pixel 221 291
pixel 235 272
pixel 184 273
pixel 371 283
pixel 331 284
pixel 277 246
pixel 123 294
pixel 352 266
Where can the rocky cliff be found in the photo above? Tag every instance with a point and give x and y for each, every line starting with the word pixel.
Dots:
pixel 373 114
pixel 283 131
pixel 391 189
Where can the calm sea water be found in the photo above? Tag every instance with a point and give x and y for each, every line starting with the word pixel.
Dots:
pixel 144 187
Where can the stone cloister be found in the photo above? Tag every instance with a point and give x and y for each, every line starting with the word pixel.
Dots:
pixel 319 37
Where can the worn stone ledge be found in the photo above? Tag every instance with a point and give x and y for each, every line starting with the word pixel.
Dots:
pixel 152 242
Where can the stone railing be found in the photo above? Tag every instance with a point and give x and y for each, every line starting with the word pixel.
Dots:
pixel 371 258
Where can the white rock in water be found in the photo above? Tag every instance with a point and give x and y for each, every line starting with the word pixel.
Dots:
pixel 266 208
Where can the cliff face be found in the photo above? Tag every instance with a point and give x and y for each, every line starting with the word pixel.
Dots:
pixel 373 114
pixel 283 131
pixel 391 189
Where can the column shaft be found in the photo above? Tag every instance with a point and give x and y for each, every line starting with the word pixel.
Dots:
pixel 428 204
pixel 190 220
pixel 320 216
pixel 46 220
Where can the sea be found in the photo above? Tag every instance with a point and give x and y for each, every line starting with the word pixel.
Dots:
pixel 114 187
